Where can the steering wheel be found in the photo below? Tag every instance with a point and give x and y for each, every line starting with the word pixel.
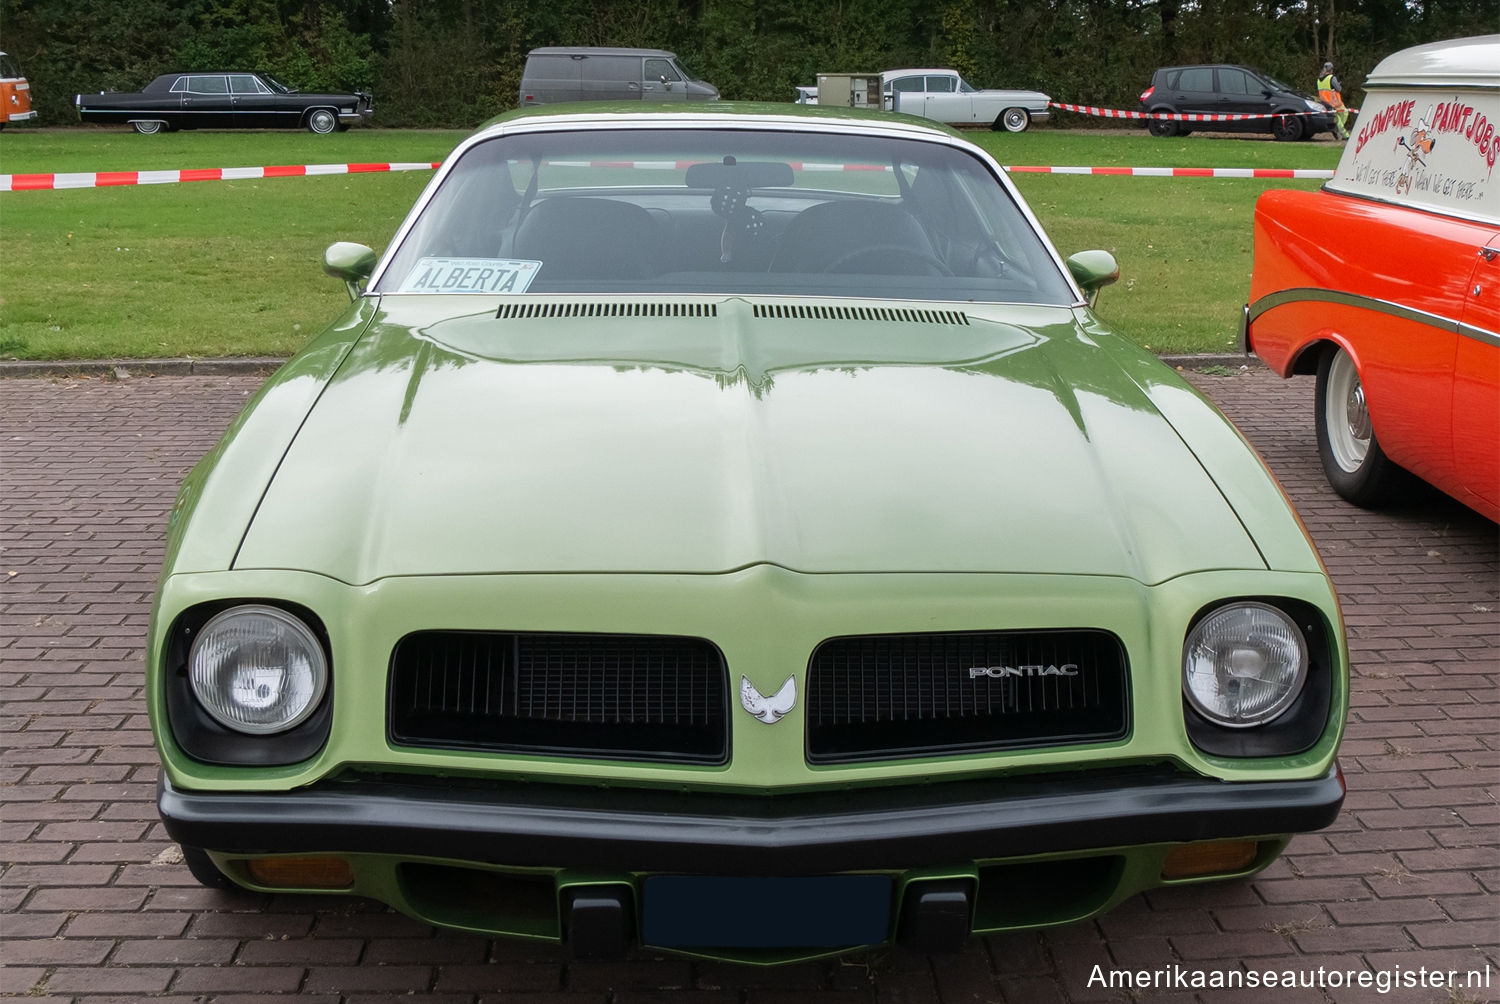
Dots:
pixel 923 258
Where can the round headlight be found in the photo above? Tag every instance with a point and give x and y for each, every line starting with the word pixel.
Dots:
pixel 1244 664
pixel 257 669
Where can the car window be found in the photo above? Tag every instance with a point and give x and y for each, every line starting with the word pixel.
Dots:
pixel 732 212
pixel 214 84
pixel 1195 78
pixel 940 85
pixel 245 83
pixel 1232 81
pixel 908 84
pixel 656 69
pixel 965 87
pixel 180 85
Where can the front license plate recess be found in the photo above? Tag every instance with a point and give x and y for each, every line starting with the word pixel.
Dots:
pixel 829 911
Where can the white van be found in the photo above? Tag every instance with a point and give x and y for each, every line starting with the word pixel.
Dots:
pixel 557 74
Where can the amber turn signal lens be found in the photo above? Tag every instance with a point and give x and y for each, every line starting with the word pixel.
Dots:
pixel 301 873
pixel 1211 857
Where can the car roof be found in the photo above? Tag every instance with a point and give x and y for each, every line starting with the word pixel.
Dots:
pixel 213 73
pixel 1463 61
pixel 596 50
pixel 631 114
pixel 1227 66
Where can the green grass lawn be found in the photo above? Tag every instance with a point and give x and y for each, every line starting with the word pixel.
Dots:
pixel 233 268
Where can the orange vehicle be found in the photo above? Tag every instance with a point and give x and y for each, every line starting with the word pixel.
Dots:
pixel 15 94
pixel 1386 283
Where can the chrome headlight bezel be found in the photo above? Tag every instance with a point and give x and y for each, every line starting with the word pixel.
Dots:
pixel 233 678
pixel 1244 653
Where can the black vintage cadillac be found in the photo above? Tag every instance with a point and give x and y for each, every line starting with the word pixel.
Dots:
pixel 224 100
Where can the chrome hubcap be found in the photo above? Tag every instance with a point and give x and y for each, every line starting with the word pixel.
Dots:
pixel 1347 418
pixel 1357 414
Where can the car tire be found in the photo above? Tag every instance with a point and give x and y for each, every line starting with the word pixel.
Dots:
pixel 148 128
pixel 322 121
pixel 1288 128
pixel 1353 461
pixel 1162 127
pixel 202 868
pixel 1012 120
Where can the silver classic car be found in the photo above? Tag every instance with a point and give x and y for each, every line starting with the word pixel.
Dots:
pixel 947 97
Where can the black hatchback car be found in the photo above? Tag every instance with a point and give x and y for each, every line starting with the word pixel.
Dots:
pixel 1221 89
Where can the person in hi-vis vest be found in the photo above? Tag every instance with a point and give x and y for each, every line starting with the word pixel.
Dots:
pixel 1329 90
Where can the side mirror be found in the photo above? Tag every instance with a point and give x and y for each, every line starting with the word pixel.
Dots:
pixel 665 82
pixel 352 263
pixel 1093 270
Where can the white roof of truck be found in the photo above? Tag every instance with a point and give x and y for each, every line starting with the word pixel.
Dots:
pixel 1463 62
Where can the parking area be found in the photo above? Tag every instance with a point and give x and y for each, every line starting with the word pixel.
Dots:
pixel 96 905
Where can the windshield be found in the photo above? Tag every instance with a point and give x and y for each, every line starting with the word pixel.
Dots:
pixel 724 211
pixel 1278 85
pixel 8 68
pixel 275 84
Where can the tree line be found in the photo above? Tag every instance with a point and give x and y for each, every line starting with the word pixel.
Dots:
pixel 455 63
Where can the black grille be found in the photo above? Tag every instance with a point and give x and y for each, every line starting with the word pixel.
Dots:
pixel 899 315
pixel 590 309
pixel 631 697
pixel 881 696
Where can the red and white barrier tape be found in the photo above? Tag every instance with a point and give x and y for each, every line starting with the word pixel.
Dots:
pixel 110 179
pixel 1138 172
pixel 683 165
pixel 1119 113
pixel 113 179
pixel 1180 172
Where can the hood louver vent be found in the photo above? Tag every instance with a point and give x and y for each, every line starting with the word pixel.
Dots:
pixel 899 315
pixel 530 310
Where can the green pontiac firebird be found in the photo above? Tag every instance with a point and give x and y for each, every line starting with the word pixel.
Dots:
pixel 731 532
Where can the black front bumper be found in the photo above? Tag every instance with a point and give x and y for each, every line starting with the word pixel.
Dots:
pixel 641 830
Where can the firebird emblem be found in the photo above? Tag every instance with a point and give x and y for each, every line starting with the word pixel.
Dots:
pixel 768 709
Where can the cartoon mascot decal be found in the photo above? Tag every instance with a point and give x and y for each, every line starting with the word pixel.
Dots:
pixel 1417 148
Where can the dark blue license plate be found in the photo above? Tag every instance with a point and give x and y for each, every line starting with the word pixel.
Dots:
pixel 832 911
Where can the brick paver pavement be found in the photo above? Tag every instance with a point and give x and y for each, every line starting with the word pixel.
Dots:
pixel 95 904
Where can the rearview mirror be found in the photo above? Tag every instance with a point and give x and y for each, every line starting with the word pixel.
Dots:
pixel 739 174
pixel 350 262
pixel 1093 270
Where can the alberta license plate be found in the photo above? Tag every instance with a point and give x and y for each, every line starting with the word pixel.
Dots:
pixel 833 911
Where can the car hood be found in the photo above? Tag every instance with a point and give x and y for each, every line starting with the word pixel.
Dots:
pixel 707 436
